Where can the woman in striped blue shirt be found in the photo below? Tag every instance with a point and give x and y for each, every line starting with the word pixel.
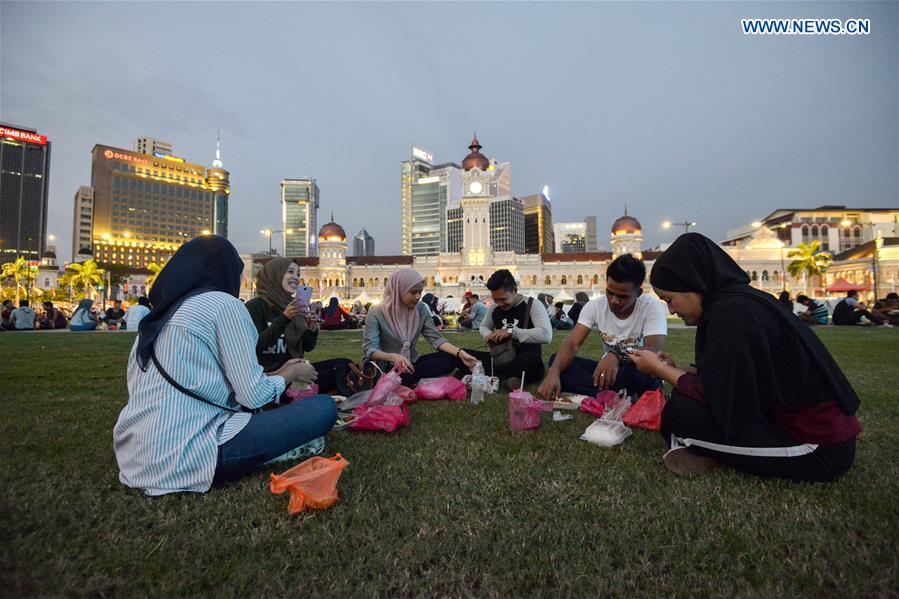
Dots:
pixel 192 369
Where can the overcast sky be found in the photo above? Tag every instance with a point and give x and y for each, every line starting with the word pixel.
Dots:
pixel 665 107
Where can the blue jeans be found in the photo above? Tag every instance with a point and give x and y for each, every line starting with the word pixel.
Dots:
pixel 88 326
pixel 578 378
pixel 272 433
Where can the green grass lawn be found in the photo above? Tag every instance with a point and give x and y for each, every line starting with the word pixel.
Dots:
pixel 453 505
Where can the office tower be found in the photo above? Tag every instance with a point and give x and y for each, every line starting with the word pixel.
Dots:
pixel 83 220
pixel 538 224
pixel 24 186
pixel 299 216
pixel 428 191
pixel 363 244
pixel 507 225
pixel 592 237
pixel 570 237
pixel 145 206
pixel 454 229
pixel 152 146
pixel 217 178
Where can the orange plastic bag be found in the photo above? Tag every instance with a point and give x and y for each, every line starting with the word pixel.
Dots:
pixel 647 412
pixel 312 484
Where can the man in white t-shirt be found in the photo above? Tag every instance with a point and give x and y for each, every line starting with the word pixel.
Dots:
pixel 625 319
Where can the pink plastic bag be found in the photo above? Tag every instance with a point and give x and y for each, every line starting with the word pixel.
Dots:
pixel 524 411
pixel 597 405
pixel 297 394
pixel 446 387
pixel 406 394
pixel 381 418
pixel 387 386
pixel 647 412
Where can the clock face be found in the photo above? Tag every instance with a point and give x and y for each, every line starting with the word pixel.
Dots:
pixel 475 187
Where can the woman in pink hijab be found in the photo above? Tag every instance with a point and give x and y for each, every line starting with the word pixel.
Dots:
pixel 393 328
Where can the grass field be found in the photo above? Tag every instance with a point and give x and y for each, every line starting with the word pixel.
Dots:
pixel 453 505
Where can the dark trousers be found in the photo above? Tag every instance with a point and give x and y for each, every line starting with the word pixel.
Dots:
pixel 272 433
pixel 531 363
pixel 578 378
pixel 431 366
pixel 856 315
pixel 687 418
pixel 329 372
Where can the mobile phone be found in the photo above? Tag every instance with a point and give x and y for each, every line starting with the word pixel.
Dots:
pixel 304 297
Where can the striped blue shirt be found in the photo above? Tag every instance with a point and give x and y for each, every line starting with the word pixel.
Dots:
pixel 166 441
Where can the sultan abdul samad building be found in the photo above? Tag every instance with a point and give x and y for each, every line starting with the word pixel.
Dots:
pixel 760 252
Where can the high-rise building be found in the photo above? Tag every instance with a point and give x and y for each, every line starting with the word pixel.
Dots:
pixel 570 237
pixel 507 225
pixel 538 223
pixel 428 191
pixel 83 221
pixel 454 229
pixel 592 236
pixel 152 146
pixel 217 178
pixel 146 206
pixel 24 185
pixel 299 216
pixel 363 244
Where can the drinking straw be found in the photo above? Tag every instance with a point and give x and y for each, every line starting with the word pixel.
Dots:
pixel 522 381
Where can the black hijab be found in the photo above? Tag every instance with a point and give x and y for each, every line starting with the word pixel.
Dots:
pixel 205 263
pixel 753 357
pixel 332 308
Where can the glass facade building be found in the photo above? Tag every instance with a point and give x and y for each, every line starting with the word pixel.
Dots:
pixel 299 214
pixel 507 225
pixel 24 186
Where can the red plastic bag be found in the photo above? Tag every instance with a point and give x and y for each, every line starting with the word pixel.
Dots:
pixel 295 394
pixel 443 388
pixel 312 484
pixel 524 411
pixel 381 418
pixel 407 394
pixel 647 412
pixel 386 386
pixel 598 405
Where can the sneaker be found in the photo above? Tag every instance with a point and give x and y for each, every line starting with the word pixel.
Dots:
pixel 887 325
pixel 511 384
pixel 684 462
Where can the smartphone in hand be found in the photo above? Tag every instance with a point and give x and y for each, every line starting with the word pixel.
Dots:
pixel 303 298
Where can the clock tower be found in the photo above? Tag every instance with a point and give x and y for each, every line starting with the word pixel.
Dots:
pixel 476 199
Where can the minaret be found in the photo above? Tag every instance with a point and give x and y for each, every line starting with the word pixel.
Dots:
pixel 218 183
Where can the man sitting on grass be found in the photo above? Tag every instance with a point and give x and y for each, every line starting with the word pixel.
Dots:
pixel 850 311
pixel 625 319
pixel 815 312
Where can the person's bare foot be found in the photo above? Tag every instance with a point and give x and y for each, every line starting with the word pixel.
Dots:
pixel 684 462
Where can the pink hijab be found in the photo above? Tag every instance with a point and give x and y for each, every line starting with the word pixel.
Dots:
pixel 405 322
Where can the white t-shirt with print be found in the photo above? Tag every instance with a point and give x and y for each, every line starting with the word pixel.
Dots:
pixel 648 318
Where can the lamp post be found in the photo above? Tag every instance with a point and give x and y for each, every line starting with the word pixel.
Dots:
pixel 878 243
pixel 269 232
pixel 686 225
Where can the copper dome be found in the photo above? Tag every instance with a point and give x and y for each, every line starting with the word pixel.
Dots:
pixel 626 224
pixel 332 230
pixel 475 158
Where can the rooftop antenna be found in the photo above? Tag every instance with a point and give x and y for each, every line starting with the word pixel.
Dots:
pixel 217 163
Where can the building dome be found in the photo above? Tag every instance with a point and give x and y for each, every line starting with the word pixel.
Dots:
pixel 626 225
pixel 49 254
pixel 475 158
pixel 331 231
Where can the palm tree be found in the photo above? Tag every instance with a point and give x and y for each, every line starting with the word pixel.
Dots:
pixel 155 269
pixel 18 270
pixel 809 260
pixel 86 275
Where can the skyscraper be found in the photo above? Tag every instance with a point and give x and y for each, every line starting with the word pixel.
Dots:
pixel 454 229
pixel 299 216
pixel 24 183
pixel 152 146
pixel 538 223
pixel 83 220
pixel 146 206
pixel 363 244
pixel 592 237
pixel 428 190
pixel 507 225
pixel 570 238
pixel 217 178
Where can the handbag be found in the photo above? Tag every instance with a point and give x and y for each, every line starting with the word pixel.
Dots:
pixel 504 352
pixel 361 377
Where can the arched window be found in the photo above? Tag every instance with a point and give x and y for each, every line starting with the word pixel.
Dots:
pixel 302 281
pixel 362 282
pixel 776 275
pixel 355 282
pixel 804 233
pixel 596 279
pixel 385 281
pixel 857 232
pixel 764 275
pixel 814 231
pixel 755 276
pixel 580 279
pixel 546 280
pixel 564 280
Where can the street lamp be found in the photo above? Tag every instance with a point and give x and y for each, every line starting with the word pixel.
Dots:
pixel 686 225
pixel 269 232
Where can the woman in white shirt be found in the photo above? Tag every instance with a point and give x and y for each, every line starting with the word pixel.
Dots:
pixel 191 370
pixel 82 319
pixel 136 313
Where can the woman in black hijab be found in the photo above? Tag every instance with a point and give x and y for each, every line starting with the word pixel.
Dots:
pixel 191 372
pixel 765 396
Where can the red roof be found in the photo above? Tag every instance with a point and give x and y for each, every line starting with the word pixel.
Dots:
pixel 842 285
pixel 379 260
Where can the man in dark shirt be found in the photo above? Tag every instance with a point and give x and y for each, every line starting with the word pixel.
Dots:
pixel 114 315
pixel 850 311
pixel 580 299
